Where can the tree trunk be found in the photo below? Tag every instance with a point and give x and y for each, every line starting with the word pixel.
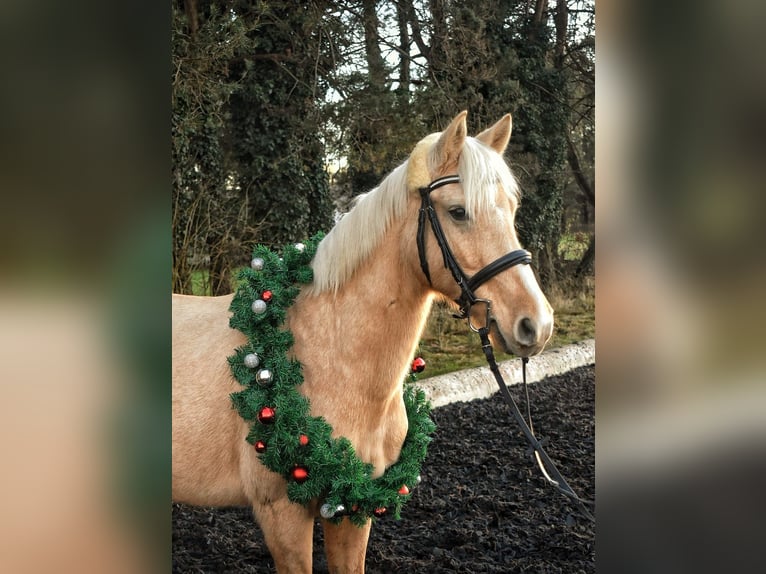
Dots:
pixel 437 61
pixel 588 261
pixel 546 267
pixel 375 63
pixel 561 19
pixel 538 20
pixel 190 8
pixel 402 14
pixel 540 7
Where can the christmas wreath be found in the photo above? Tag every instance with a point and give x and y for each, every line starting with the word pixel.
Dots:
pixel 290 441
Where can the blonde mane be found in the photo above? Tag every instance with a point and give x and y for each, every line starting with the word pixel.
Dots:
pixel 482 172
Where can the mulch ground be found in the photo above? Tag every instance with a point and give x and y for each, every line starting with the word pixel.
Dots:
pixel 482 505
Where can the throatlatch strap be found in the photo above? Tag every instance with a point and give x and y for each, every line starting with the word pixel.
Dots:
pixel 542 457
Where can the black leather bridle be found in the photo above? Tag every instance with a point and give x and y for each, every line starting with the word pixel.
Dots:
pixel 466 301
pixel 468 285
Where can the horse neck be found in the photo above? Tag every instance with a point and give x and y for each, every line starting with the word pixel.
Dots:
pixel 371 326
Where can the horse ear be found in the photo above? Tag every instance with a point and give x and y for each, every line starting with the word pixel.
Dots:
pixel 498 136
pixel 447 149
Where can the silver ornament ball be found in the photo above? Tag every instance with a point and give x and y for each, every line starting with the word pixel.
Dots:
pixel 259 306
pixel 252 360
pixel 328 510
pixel 257 263
pixel 264 376
pixel 300 247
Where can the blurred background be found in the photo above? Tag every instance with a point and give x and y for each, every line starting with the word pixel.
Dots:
pixel 274 102
pixel 680 372
pixel 84 289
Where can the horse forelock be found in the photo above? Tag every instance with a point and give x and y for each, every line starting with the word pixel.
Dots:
pixel 482 173
pixel 481 169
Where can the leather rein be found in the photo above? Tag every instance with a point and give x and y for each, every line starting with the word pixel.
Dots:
pixel 466 301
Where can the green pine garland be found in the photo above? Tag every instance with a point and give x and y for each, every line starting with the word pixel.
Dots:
pixel 333 472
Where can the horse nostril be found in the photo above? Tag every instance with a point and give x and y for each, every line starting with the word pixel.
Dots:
pixel 526 332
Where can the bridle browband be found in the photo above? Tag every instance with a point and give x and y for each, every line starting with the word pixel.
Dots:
pixel 466 301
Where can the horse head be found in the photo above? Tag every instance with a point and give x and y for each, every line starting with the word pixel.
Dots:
pixel 475 214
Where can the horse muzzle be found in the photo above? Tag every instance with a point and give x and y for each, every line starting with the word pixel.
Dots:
pixel 527 337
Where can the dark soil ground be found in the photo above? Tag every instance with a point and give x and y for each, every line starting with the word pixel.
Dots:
pixel 482 506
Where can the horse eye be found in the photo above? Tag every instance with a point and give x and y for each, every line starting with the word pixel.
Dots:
pixel 458 214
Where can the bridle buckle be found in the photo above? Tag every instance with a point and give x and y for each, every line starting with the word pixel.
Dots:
pixel 487 317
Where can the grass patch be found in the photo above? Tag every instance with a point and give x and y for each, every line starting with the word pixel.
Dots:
pixel 200 282
pixel 449 345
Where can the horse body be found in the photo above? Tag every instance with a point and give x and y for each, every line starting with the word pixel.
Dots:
pixel 205 458
pixel 353 365
pixel 355 329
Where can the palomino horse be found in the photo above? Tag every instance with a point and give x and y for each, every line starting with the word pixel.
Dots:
pixel 356 328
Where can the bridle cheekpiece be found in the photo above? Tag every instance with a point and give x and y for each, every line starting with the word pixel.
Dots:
pixel 468 285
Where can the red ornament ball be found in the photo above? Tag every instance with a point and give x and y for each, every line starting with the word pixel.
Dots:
pixel 300 474
pixel 303 440
pixel 404 490
pixel 266 296
pixel 266 415
pixel 418 365
pixel 260 446
pixel 379 512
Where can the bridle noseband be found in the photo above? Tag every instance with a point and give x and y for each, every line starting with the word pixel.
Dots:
pixel 466 301
pixel 468 286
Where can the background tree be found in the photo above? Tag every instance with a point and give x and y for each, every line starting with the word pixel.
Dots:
pixel 274 133
pixel 543 125
pixel 248 157
pixel 575 36
pixel 204 41
pixel 264 92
